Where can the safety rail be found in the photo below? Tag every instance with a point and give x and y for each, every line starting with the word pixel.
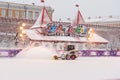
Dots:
pixel 82 53
pixel 9 52
pixel 99 52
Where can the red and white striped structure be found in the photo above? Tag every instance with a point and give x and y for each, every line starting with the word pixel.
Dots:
pixel 78 19
pixel 43 19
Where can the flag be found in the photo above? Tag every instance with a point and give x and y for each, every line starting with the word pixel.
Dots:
pixel 77 5
pixel 42 1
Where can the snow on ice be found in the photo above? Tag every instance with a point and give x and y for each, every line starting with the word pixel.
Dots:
pixel 40 52
pixel 33 65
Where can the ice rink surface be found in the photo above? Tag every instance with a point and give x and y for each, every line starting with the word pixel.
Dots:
pixel 84 68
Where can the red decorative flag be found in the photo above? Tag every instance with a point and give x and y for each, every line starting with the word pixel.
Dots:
pixel 77 5
pixel 42 1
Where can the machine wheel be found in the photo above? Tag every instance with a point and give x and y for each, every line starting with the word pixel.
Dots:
pixel 55 57
pixel 72 57
pixel 67 57
pixel 63 57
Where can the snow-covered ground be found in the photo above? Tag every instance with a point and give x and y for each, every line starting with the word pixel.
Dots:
pixel 29 67
pixel 84 68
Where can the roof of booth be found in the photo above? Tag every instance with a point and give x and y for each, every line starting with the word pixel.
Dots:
pixel 34 35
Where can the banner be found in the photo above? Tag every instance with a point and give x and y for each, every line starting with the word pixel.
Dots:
pixel 8 52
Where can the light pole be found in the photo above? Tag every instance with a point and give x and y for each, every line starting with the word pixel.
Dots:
pixel 89 36
pixel 22 32
pixel 20 36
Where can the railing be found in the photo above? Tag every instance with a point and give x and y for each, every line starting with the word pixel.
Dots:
pixel 99 53
pixel 94 53
pixel 82 53
pixel 9 52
